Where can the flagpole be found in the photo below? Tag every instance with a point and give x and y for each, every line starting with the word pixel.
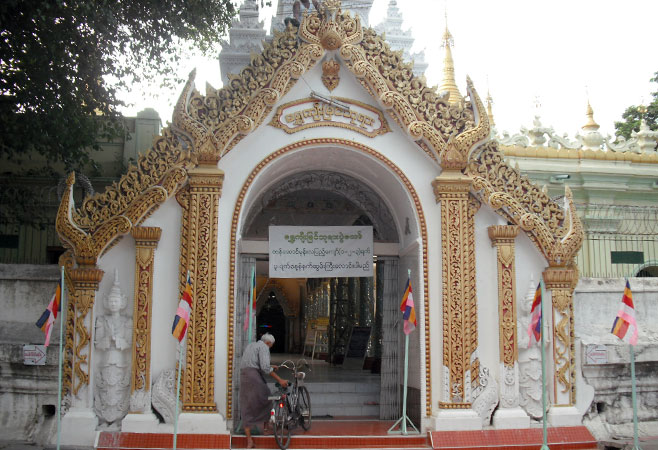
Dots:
pixel 251 303
pixel 636 443
pixel 181 348
pixel 543 370
pixel 403 420
pixel 61 356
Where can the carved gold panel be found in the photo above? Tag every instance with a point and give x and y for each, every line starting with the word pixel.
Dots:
pixel 200 202
pixel 502 237
pixel 561 281
pixel 85 282
pixel 146 240
pixel 451 189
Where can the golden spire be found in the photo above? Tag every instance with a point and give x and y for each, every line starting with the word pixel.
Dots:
pixel 448 84
pixel 591 124
pixel 490 110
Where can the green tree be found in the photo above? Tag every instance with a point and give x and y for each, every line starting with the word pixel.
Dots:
pixel 633 114
pixel 62 63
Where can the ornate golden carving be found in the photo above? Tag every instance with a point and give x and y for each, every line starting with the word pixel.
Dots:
pixel 502 237
pixel 557 236
pixel 425 115
pixel 330 71
pixel 234 231
pixel 146 240
pixel 332 29
pixel 471 299
pixel 102 218
pixel 66 260
pixel 199 255
pixel 561 282
pixel 85 282
pixel 451 189
pixel 321 114
pixel 219 120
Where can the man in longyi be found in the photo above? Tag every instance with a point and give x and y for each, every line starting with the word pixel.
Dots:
pixel 254 405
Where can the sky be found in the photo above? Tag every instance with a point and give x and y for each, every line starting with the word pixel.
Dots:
pixel 533 57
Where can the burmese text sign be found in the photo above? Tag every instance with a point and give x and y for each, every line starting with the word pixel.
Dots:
pixel 319 252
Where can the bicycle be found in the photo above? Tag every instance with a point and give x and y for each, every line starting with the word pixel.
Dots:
pixel 291 407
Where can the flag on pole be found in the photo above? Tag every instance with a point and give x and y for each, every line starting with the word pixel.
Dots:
pixel 48 317
pixel 534 329
pixel 408 310
pixel 625 326
pixel 182 318
pixel 252 299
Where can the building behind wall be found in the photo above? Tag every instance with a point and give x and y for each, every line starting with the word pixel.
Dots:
pixel 36 242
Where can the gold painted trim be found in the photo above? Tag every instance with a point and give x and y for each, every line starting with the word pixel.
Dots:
pixel 233 267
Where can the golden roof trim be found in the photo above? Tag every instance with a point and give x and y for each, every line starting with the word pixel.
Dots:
pixel 580 154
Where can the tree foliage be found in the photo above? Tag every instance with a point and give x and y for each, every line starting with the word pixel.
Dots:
pixel 62 63
pixel 633 114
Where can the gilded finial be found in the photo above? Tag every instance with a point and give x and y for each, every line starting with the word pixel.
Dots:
pixel 490 108
pixel 448 84
pixel 591 124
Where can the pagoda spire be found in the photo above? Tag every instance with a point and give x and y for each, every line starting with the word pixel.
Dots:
pixel 490 109
pixel 591 123
pixel 592 138
pixel 448 84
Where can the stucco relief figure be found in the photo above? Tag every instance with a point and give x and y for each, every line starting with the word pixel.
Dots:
pixel 114 338
pixel 529 360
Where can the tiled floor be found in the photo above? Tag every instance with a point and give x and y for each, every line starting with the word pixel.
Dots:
pixel 565 438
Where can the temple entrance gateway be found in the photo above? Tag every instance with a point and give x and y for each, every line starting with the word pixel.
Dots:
pixel 350 308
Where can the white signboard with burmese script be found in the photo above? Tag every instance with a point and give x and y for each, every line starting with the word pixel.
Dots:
pixel 309 112
pixel 319 252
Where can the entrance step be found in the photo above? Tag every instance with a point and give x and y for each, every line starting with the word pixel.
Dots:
pixel 343 434
pixel 561 438
pixel 339 442
pixel 347 398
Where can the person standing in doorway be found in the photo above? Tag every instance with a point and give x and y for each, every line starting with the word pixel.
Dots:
pixel 255 364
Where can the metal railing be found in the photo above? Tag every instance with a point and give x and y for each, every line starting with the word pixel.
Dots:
pixel 620 241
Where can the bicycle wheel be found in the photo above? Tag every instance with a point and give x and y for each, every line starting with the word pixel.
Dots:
pixel 304 407
pixel 281 427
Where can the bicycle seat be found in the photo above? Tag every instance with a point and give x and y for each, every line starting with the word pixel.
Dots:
pixel 301 375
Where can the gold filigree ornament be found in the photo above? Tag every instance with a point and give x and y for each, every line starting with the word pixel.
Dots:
pixel 332 29
pixel 330 70
pixel 557 233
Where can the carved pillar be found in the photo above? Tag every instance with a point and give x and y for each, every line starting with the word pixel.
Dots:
pixel 85 282
pixel 502 237
pixel 200 202
pixel 561 282
pixel 460 361
pixel 146 240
